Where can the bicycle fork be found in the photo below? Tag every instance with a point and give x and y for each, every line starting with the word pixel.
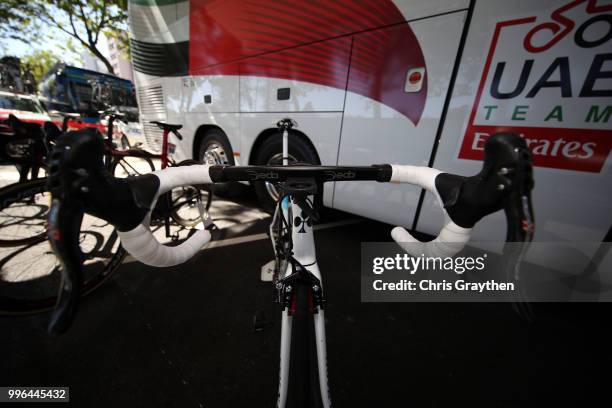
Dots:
pixel 321 353
pixel 307 273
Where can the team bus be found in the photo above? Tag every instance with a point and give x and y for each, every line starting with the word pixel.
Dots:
pixel 69 89
pixel 380 81
pixel 65 88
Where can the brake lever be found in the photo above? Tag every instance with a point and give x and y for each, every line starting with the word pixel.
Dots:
pixel 520 229
pixel 505 182
pixel 63 234
pixel 67 182
pixel 64 225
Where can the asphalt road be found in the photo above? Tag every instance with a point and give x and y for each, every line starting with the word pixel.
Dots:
pixel 184 337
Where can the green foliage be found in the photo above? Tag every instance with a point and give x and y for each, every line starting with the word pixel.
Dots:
pixel 81 20
pixel 15 16
pixel 122 39
pixel 39 63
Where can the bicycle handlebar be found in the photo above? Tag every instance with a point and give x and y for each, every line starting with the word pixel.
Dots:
pixel 505 182
pixel 78 176
pixel 141 243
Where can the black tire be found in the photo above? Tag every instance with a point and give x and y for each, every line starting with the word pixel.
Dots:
pixel 216 149
pixel 29 275
pixel 131 166
pixel 36 290
pixel 184 197
pixel 304 389
pixel 270 152
pixel 23 212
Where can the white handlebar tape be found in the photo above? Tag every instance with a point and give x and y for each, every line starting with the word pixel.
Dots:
pixel 178 176
pixel 451 239
pixel 141 243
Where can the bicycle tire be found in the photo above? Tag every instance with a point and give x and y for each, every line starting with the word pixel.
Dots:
pixel 303 390
pixel 23 212
pixel 34 286
pixel 123 164
pixel 39 294
pixel 204 191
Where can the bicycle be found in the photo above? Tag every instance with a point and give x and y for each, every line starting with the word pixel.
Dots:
pixel 182 204
pixel 23 145
pixel 23 204
pixel 303 370
pixel 30 285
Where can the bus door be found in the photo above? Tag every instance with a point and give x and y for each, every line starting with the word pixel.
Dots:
pixel 398 82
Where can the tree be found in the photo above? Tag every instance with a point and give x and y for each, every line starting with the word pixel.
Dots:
pixel 81 20
pixel 14 15
pixel 39 63
pixel 122 39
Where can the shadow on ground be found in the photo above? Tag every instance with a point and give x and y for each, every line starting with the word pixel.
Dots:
pixel 183 337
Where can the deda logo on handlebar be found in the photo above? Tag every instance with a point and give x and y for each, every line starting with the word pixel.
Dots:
pixel 262 175
pixel 340 175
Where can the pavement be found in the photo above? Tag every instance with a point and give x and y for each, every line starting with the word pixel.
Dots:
pixel 24 262
pixel 184 336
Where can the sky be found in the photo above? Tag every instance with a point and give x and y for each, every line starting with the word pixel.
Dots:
pixel 20 49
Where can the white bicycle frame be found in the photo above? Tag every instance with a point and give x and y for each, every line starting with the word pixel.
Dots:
pixel 141 243
pixel 513 169
pixel 304 252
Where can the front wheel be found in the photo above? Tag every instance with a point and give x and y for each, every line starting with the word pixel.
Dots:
pixel 23 212
pixel 131 166
pixel 304 389
pixel 270 153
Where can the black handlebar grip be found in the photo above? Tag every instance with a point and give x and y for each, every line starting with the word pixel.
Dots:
pixel 65 174
pixel 77 172
pixel 506 172
pixel 385 171
pixel 79 183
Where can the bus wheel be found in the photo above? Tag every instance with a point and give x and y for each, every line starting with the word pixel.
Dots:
pixel 215 149
pixel 270 153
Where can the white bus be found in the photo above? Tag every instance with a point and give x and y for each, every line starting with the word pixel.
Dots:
pixel 380 81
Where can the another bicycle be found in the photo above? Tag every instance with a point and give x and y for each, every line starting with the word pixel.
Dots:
pixel 29 273
pixel 183 205
pixel 23 205
pixel 29 276
pixel 81 185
